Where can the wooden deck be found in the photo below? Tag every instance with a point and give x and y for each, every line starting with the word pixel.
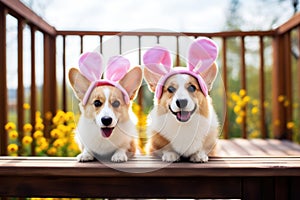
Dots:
pixel 246 169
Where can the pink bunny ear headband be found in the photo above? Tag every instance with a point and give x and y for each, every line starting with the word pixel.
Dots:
pixel 90 65
pixel 202 53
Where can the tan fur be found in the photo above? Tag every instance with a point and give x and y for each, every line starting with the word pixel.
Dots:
pixel 163 102
pixel 199 141
pixel 121 141
pixel 133 147
pixel 98 94
pixel 157 142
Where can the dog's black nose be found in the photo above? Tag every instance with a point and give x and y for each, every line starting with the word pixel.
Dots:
pixel 106 121
pixel 181 103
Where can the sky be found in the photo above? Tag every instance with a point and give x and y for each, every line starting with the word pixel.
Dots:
pixel 132 15
pixel 176 15
pixel 126 15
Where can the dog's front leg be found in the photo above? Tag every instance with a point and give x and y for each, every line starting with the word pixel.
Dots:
pixel 170 156
pixel 119 156
pixel 85 156
pixel 200 156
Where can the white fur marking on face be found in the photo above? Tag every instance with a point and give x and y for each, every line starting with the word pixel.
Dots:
pixel 182 93
pixel 106 111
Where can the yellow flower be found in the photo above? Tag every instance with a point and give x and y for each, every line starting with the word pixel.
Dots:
pixel 38 134
pixel 277 122
pixel 55 120
pixel 266 104
pixel 290 125
pixel 10 126
pixel 73 147
pixel 62 128
pixel 41 140
pixel 254 134
pixel 254 110
pixel 235 97
pixel 27 127
pixel 60 115
pixel 237 109
pixel 295 105
pixel 26 140
pixel 286 103
pixel 72 126
pixel 52 151
pixel 39 126
pixel 12 148
pixel 58 143
pixel 37 114
pixel 255 102
pixel 241 103
pixel 26 106
pixel 42 143
pixel 242 113
pixel 38 118
pixel 69 116
pixel 246 99
pixel 13 134
pixel 242 92
pixel 48 115
pixel 38 150
pixel 56 133
pixel 281 98
pixel 239 120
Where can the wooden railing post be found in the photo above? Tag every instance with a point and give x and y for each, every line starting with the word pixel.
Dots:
pixel 278 85
pixel 244 85
pixel 20 91
pixel 3 85
pixel 224 73
pixel 49 93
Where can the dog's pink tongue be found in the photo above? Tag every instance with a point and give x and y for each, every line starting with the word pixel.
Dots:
pixel 106 132
pixel 183 116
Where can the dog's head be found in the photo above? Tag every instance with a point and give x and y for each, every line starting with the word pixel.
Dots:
pixel 106 101
pixel 182 91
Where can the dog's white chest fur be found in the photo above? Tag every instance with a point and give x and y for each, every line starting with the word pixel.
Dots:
pixel 89 135
pixel 186 138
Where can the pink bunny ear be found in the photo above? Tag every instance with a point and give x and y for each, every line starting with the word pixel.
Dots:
pixel 202 53
pixel 90 65
pixel 117 67
pixel 158 60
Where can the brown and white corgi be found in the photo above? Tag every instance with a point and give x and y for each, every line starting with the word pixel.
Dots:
pixel 183 122
pixel 105 129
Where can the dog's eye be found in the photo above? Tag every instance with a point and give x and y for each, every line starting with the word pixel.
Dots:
pixel 116 104
pixel 171 89
pixel 191 88
pixel 97 103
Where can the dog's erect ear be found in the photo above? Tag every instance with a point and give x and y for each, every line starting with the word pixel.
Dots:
pixel 202 54
pixel 132 81
pixel 79 83
pixel 151 78
pixel 157 62
pixel 209 75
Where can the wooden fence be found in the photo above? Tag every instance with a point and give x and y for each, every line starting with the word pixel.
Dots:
pixel 283 78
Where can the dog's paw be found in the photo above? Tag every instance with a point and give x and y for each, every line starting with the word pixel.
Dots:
pixel 170 156
pixel 119 156
pixel 199 157
pixel 84 157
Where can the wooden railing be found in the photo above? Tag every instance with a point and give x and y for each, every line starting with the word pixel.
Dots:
pixel 283 78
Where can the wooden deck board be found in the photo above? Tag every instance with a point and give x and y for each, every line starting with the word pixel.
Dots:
pixel 252 149
pixel 248 167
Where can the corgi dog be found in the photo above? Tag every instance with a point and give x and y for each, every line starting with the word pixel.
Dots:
pixel 105 129
pixel 183 122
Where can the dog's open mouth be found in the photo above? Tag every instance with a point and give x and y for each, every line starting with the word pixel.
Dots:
pixel 107 131
pixel 183 116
